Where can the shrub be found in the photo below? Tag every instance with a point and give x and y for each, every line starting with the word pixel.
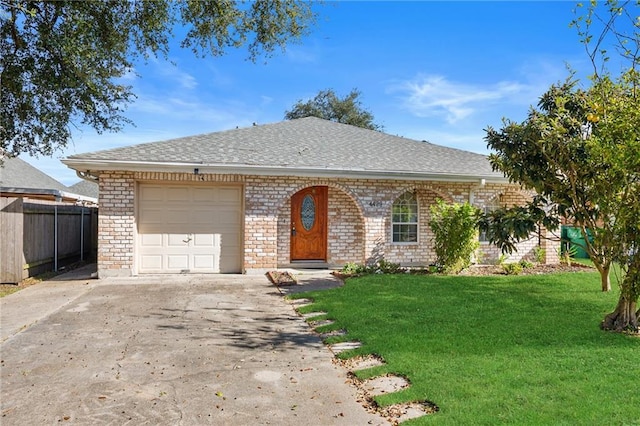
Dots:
pixel 455 234
pixel 385 267
pixel 526 264
pixel 380 267
pixel 512 268
pixel 352 268
pixel 539 254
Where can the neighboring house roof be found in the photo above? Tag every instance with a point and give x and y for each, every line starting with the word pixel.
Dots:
pixel 19 178
pixel 85 187
pixel 17 173
pixel 302 147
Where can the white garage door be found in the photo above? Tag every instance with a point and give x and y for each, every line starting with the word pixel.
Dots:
pixel 189 229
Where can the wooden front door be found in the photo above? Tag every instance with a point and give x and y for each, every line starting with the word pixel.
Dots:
pixel 309 224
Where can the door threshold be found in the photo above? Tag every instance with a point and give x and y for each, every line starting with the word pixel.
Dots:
pixel 307 264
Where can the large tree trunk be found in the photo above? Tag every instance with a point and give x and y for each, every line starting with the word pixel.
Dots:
pixel 624 318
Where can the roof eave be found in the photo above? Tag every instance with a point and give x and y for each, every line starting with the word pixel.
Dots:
pixel 48 194
pixel 91 166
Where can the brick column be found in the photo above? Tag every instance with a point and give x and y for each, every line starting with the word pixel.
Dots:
pixel 116 224
pixel 261 225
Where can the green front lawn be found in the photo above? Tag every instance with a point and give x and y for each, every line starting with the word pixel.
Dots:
pixel 493 349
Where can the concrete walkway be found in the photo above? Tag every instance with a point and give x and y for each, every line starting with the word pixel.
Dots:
pixel 168 350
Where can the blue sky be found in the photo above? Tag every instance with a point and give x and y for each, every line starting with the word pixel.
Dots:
pixel 436 71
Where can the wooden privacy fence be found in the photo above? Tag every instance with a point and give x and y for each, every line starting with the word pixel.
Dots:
pixel 40 236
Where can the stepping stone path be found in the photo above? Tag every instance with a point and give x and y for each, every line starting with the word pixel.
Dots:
pixel 370 388
pixel 332 333
pixel 312 314
pixel 362 362
pixel 316 324
pixel 299 303
pixel 344 346
pixel 385 384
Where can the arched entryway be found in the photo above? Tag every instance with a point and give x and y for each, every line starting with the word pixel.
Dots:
pixel 341 219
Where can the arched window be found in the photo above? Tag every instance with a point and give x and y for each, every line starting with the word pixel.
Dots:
pixel 404 219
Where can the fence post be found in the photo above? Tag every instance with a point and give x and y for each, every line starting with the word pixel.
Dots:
pixel 55 234
pixel 81 233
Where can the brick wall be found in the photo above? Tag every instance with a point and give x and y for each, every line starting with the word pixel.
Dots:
pixel 359 217
pixel 116 224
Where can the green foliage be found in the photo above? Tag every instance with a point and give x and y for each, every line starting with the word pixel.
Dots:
pixel 385 267
pixel 382 266
pixel 526 264
pixel 329 106
pixel 487 350
pixel 539 254
pixel 580 152
pixel 512 268
pixel 455 234
pixel 352 268
pixel 62 63
pixel 568 253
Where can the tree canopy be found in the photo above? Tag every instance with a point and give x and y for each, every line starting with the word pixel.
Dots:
pixel 580 152
pixel 329 106
pixel 61 62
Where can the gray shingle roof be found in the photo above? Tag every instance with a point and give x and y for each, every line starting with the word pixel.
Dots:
pixel 17 173
pixel 306 143
pixel 85 187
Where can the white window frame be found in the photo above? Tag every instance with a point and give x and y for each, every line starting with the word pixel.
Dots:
pixel 415 223
pixel 494 204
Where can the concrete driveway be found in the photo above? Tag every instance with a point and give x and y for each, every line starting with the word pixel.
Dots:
pixel 167 350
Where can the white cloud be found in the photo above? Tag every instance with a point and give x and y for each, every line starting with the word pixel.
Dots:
pixel 433 95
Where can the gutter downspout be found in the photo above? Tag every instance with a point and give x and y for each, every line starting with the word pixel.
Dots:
pixel 472 194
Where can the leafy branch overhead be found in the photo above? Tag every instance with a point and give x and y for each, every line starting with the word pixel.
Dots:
pixel 62 63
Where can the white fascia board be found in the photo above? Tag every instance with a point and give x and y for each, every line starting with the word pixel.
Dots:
pixel 52 193
pixel 92 166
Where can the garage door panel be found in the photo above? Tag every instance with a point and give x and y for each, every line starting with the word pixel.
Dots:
pixel 178 261
pixel 229 195
pixel 151 240
pixel 228 217
pixel 151 261
pixel 151 193
pixel 205 240
pixel 201 216
pixel 177 240
pixel 189 228
pixel 204 262
pixel 204 195
pixel 230 240
pixel 177 194
pixel 150 216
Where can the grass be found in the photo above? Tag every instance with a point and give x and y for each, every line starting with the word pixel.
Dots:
pixel 523 350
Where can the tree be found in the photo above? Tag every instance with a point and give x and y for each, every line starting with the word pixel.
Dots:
pixel 580 152
pixel 329 106
pixel 60 62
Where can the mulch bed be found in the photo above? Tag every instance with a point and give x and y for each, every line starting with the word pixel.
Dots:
pixel 479 270
pixel 482 270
